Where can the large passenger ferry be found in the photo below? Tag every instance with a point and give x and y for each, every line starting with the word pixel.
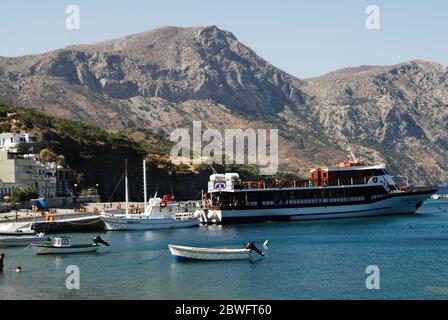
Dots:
pixel 346 190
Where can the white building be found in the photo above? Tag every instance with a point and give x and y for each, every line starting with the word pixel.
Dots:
pixel 20 168
pixel 11 141
pixel 25 170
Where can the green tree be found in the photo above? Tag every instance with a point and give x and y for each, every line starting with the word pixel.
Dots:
pixel 19 195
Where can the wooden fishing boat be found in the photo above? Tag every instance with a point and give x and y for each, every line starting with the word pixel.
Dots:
pixel 62 245
pixel 249 252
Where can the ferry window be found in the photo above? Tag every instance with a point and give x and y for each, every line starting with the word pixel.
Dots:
pixel 252 196
pixel 276 196
pixel 267 196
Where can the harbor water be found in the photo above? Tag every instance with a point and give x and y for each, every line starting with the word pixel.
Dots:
pixel 306 260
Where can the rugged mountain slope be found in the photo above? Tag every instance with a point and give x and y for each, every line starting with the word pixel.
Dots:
pixel 400 111
pixel 170 64
pixel 165 78
pixel 162 79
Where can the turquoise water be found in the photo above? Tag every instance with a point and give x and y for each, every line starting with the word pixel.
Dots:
pixel 306 260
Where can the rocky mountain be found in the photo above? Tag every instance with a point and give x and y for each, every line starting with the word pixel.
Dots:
pixel 398 114
pixel 165 78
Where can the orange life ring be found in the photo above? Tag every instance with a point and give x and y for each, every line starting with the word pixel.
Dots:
pixel 163 204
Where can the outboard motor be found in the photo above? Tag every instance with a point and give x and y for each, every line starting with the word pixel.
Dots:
pixel 98 239
pixel 250 245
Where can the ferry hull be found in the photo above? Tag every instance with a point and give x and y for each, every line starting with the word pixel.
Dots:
pixel 392 206
pixel 124 224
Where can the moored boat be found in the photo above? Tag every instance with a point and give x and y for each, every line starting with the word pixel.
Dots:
pixel 62 245
pixel 351 189
pixel 22 240
pixel 249 252
pixel 159 213
pixel 16 229
pixel 88 223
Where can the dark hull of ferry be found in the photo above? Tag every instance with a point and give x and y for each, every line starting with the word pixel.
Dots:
pixel 396 204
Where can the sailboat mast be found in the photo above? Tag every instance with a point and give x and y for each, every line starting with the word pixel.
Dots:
pixel 126 185
pixel 145 196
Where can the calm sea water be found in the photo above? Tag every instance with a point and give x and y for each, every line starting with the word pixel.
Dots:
pixel 306 260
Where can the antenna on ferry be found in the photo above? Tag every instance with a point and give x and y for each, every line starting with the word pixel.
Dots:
pixel 213 169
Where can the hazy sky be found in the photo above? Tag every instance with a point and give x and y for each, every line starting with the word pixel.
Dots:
pixel 304 38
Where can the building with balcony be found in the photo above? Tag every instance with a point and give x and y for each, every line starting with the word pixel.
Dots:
pixel 21 168
pixel 25 170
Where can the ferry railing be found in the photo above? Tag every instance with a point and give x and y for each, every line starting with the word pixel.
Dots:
pixel 419 189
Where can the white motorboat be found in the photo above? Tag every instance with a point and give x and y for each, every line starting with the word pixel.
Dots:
pixel 249 252
pixel 16 229
pixel 62 245
pixel 159 213
pixel 18 240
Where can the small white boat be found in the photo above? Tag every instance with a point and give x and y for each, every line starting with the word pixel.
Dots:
pixel 16 229
pixel 249 252
pixel 62 245
pixel 18 240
